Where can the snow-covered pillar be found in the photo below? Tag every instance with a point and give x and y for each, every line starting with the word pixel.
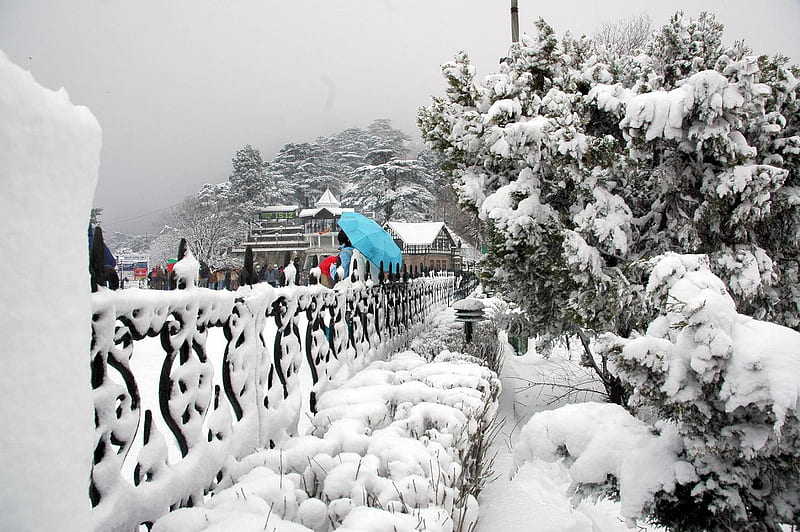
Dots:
pixel 49 156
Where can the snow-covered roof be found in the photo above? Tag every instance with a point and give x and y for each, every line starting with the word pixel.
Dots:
pixel 335 211
pixel 417 233
pixel 328 200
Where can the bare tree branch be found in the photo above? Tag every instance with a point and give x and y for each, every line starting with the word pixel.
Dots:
pixel 626 35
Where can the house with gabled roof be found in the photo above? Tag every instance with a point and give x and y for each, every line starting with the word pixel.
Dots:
pixel 283 231
pixel 426 245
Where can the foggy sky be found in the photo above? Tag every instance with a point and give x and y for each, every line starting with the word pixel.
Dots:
pixel 179 85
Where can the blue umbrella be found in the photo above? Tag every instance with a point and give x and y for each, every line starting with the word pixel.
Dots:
pixel 371 240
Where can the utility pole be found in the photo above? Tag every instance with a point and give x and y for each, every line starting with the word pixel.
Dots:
pixel 514 21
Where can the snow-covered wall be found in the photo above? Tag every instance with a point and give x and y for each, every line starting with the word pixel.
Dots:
pixel 49 156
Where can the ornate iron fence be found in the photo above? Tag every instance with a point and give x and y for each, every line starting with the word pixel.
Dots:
pixel 148 461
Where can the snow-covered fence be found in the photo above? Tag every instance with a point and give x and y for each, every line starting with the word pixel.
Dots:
pixel 232 369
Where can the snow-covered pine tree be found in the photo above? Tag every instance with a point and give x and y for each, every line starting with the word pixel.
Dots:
pixel 383 136
pixel 397 190
pixel 518 152
pixel 718 139
pixel 300 172
pixel 684 46
pixel 583 169
pixel 298 164
pixel 247 181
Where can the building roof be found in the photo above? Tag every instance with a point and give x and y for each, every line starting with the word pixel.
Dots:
pixel 417 233
pixel 312 213
pixel 328 200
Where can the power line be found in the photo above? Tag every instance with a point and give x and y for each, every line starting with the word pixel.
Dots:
pixel 140 216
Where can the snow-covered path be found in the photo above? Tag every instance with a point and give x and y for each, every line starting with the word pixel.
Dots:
pixel 535 497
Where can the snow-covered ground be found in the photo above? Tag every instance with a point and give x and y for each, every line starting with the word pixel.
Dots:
pixel 537 492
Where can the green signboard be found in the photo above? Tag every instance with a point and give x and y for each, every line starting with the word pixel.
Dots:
pixel 277 215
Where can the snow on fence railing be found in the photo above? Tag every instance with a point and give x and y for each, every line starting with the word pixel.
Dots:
pixel 229 380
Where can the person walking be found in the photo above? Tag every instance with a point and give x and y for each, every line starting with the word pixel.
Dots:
pixel 345 256
pixel 297 271
pixel 325 267
pixel 205 272
pixel 157 278
pixel 272 275
pixel 165 275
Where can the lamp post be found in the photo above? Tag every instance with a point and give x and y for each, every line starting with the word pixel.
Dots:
pixel 469 311
pixel 514 21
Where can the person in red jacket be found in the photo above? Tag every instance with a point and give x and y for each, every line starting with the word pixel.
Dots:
pixel 325 266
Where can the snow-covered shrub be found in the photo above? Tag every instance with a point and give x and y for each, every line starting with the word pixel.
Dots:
pixel 724 454
pixel 441 334
pixel 608 452
pixel 436 343
pixel 485 345
pixel 730 384
pixel 391 451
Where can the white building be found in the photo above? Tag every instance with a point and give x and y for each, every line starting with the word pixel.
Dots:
pixel 426 245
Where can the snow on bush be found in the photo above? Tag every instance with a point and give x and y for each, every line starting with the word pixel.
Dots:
pixel 725 388
pixel 583 165
pixel 598 440
pixel 49 157
pixel 387 453
pixel 443 332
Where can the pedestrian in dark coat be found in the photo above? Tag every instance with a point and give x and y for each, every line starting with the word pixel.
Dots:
pixel 205 272
pixel 272 275
pixel 112 279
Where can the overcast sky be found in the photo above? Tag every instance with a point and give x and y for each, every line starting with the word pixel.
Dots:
pixel 179 85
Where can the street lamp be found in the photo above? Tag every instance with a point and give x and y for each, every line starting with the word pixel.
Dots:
pixel 514 21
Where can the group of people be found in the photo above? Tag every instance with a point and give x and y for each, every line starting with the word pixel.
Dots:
pixel 224 278
pixel 228 278
pixel 158 278
pixel 337 267
pixel 270 274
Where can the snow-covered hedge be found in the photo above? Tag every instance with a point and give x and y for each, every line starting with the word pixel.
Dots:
pixel 725 389
pixel 390 451
pixel 221 396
